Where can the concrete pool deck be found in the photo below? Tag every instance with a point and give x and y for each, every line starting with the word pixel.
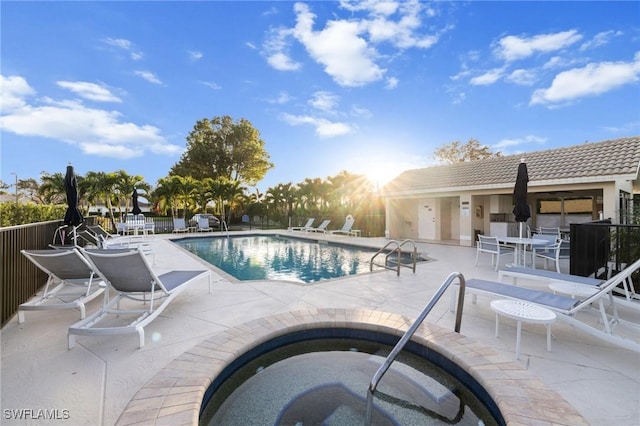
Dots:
pixel 94 383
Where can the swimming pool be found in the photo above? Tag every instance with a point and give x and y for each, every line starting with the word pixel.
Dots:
pixel 275 257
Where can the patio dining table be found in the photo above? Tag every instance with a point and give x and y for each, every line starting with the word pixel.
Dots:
pixel 519 254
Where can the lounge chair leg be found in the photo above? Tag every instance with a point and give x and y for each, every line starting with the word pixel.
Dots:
pixel 20 317
pixel 518 335
pixel 71 341
pixel 141 337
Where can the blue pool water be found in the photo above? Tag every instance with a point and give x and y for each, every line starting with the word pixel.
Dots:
pixel 272 257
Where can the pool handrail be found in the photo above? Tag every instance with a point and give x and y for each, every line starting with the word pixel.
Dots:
pixel 398 250
pixel 409 333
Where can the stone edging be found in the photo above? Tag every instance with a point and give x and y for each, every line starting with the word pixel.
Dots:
pixel 174 395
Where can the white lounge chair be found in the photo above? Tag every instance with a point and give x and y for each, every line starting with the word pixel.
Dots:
pixel 629 297
pixel 71 281
pixel 567 307
pixel 99 230
pixel 179 225
pixel 203 225
pixel 130 276
pixel 321 228
pixel 307 225
pixel 346 228
pixel 491 246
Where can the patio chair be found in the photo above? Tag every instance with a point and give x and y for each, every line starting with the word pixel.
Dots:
pixel 549 231
pixel 554 253
pixel 491 246
pixel 179 225
pixel 129 275
pixel 71 281
pixel 307 225
pixel 321 228
pixel 203 225
pixel 346 228
pixel 149 227
pixel 566 307
pixel 549 241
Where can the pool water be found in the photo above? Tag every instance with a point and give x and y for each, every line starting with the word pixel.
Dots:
pixel 273 257
pixel 325 383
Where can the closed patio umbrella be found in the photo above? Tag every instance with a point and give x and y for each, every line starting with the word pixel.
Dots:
pixel 72 216
pixel 136 208
pixel 521 206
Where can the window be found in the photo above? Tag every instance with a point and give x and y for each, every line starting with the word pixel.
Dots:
pixel 575 205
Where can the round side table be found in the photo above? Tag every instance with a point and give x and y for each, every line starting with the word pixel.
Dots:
pixel 523 312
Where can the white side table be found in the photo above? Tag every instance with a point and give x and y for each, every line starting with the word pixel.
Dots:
pixel 523 312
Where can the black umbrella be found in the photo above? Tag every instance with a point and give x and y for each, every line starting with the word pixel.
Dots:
pixel 72 217
pixel 521 207
pixel 136 208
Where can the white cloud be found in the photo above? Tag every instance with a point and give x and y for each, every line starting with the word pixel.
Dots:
pixel 324 101
pixel 323 127
pixel 149 76
pixel 488 78
pixel 13 93
pixel 195 55
pixel 282 98
pixel 346 56
pixel 522 77
pixel 593 79
pixel 511 48
pixel 94 131
pixel 211 85
pixel 126 45
pixel 357 111
pixel 346 48
pixel 276 49
pixel 511 143
pixel 90 91
pixel 282 62
pixel 392 83
pixel 120 43
pixel 600 39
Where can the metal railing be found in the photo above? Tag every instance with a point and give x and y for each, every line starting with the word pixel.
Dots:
pixel 410 332
pixel 398 251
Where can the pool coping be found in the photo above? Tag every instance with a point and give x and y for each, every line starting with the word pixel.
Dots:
pixel 174 395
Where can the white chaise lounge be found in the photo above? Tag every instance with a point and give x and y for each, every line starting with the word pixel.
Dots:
pixel 129 275
pixel 566 307
pixel 71 281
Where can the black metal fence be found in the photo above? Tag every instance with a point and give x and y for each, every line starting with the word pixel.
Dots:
pixel 601 248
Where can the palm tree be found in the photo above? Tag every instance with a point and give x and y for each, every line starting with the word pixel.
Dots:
pixel 51 189
pixel 98 186
pixel 167 193
pixel 124 186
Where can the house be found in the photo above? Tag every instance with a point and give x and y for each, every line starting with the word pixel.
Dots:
pixel 568 185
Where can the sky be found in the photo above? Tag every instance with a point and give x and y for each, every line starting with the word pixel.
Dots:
pixel 371 87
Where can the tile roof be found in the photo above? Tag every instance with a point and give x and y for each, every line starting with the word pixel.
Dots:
pixel 619 157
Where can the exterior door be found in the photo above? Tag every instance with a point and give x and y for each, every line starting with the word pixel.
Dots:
pixel 427 219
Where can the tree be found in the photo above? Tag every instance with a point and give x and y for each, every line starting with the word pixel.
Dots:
pixel 51 189
pixel 221 149
pixel 454 152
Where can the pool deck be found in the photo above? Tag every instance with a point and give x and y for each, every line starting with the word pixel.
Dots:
pixel 94 383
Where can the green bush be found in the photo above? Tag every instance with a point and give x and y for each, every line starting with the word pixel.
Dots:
pixel 19 214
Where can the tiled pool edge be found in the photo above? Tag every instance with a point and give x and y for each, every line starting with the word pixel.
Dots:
pixel 174 395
